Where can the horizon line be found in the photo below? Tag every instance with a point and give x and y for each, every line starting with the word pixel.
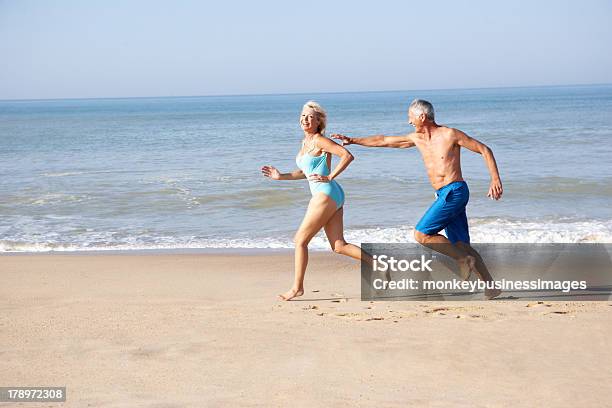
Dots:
pixel 301 93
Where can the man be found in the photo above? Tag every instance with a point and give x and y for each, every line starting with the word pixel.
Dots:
pixel 440 147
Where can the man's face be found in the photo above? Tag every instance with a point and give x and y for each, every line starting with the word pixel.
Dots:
pixel 416 120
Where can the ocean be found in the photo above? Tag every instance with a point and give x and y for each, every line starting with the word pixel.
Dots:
pixel 184 172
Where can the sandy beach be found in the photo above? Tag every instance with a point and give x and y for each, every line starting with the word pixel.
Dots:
pixel 193 330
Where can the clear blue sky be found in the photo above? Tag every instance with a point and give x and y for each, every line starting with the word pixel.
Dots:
pixel 61 49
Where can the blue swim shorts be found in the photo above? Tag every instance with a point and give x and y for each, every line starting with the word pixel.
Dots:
pixel 448 213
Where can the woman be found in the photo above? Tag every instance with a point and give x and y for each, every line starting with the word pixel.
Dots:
pixel 325 207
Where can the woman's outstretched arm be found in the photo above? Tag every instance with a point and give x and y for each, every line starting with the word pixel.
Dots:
pixel 273 173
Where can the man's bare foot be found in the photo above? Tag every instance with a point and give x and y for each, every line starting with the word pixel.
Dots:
pixel 292 293
pixel 492 293
pixel 467 266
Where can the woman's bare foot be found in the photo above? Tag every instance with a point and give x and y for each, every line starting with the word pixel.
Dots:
pixel 492 293
pixel 467 266
pixel 292 293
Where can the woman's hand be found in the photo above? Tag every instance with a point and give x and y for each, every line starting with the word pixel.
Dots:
pixel 319 178
pixel 271 172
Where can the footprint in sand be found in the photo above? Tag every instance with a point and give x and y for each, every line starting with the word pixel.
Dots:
pixel 473 316
pixel 148 352
pixel 537 304
pixel 437 309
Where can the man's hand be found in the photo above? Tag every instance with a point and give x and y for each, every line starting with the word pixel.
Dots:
pixel 495 190
pixel 319 178
pixel 270 172
pixel 344 139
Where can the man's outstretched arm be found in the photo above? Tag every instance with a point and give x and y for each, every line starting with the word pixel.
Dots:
pixel 495 188
pixel 400 142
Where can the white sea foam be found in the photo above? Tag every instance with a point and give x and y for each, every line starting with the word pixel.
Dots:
pixel 482 231
pixel 63 174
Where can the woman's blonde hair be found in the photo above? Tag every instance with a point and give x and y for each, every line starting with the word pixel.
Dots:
pixel 321 115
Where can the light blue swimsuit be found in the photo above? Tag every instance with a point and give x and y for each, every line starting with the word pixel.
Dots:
pixel 318 165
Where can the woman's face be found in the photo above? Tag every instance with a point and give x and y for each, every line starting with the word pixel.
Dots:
pixel 309 120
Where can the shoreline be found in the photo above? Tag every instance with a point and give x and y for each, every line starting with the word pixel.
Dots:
pixel 161 251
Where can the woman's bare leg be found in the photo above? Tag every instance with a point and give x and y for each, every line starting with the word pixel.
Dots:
pixel 334 229
pixel 320 209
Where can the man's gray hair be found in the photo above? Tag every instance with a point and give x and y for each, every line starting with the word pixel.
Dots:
pixel 419 106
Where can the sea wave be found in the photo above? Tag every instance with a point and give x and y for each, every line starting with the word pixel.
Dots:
pixel 495 230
